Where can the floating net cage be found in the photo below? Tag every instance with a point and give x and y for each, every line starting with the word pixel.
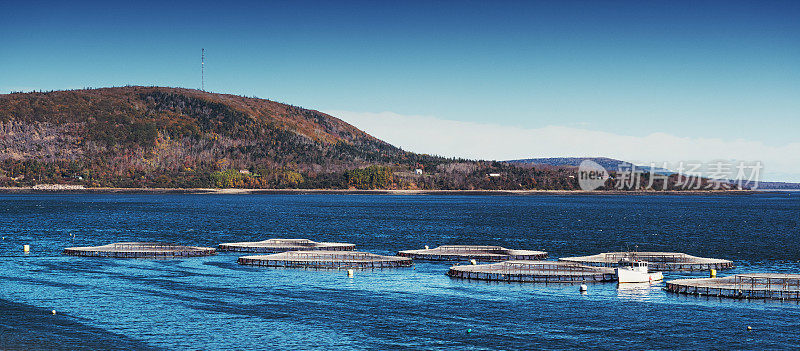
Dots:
pixel 472 252
pixel 326 260
pixel 283 245
pixel 742 286
pixel 658 261
pixel 140 250
pixel 534 271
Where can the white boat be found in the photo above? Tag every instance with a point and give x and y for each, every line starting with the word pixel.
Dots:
pixel 635 271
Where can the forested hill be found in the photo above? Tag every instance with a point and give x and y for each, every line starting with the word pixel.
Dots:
pixel 153 136
pixel 181 138
pixel 609 164
pixel 124 121
pixel 605 162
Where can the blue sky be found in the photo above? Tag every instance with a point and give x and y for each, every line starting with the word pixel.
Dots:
pixel 699 70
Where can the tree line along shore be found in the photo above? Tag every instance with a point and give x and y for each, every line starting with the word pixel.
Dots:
pixel 244 191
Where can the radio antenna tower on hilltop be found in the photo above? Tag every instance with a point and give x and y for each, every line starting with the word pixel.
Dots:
pixel 203 69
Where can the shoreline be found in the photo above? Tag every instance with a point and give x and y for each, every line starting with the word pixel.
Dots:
pixel 211 191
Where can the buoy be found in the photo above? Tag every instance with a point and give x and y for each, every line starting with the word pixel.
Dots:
pixel 26 248
pixel 350 273
pixel 584 288
pixel 473 262
pixel 53 312
pixel 713 273
pixel 426 247
pixel 749 328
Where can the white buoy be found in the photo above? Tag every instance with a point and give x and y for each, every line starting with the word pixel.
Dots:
pixel 53 312
pixel 426 247
pixel 350 273
pixel 473 262
pixel 26 248
pixel 584 288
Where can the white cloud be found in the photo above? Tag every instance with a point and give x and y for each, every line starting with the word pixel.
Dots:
pixel 431 135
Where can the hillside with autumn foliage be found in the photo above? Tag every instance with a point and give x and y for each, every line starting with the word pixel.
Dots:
pixel 156 137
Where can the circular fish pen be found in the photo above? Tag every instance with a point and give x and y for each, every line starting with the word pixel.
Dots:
pixel 741 286
pixel 283 245
pixel 534 271
pixel 658 261
pixel 140 250
pixel 473 252
pixel 326 260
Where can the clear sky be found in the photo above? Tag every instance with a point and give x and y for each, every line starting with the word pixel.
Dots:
pixel 723 76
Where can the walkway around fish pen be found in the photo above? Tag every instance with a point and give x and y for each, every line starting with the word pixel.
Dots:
pixel 659 261
pixel 283 245
pixel 326 260
pixel 140 250
pixel 742 286
pixel 472 252
pixel 534 271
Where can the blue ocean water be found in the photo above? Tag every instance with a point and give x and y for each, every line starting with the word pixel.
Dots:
pixel 213 303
